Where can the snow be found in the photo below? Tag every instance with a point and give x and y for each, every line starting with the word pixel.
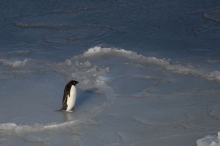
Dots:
pixel 209 141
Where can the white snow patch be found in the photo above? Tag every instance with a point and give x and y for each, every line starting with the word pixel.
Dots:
pixel 19 129
pixel 181 69
pixel 209 140
pixel 87 63
pixel 68 62
pixel 14 64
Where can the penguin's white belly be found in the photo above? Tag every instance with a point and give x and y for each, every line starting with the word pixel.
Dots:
pixel 71 100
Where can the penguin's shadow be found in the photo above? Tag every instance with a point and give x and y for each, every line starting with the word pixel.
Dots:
pixel 84 96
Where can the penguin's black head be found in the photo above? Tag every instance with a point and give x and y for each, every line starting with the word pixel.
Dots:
pixel 73 82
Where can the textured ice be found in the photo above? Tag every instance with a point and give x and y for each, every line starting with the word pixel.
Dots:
pixel 124 53
pixel 94 77
pixel 144 77
pixel 178 68
pixel 68 62
pixel 22 129
pixel 209 141
pixel 212 61
pixel 149 74
pixel 15 63
pixel 87 63
pixel 89 77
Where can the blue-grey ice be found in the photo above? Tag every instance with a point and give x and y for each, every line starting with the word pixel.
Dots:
pixel 148 72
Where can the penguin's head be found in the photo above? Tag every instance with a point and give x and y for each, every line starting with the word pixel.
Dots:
pixel 74 82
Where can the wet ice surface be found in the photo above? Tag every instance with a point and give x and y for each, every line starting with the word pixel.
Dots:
pixel 39 97
pixel 126 99
pixel 148 72
pixel 36 90
pixel 154 106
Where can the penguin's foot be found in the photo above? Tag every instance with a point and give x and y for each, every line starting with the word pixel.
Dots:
pixel 70 111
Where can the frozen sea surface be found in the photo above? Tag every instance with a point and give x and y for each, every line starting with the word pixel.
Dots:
pixel 148 72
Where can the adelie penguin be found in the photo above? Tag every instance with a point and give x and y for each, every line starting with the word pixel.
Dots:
pixel 69 96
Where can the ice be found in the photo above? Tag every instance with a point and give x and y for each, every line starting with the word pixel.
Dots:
pixel 36 121
pixel 87 63
pixel 107 90
pixel 178 68
pixel 148 72
pixel 209 141
pixel 212 61
pixel 68 62
pixel 144 77
pixel 124 53
pixel 215 74
pixel 14 64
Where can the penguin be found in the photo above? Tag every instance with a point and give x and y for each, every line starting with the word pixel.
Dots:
pixel 69 96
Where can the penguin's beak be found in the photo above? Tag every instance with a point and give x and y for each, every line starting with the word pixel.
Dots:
pixel 77 82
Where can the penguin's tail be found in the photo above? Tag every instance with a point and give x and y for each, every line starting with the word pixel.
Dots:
pixel 59 110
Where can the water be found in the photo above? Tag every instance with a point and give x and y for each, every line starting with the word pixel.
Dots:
pixel 148 72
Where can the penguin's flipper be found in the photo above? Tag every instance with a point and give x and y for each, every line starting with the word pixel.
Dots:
pixel 64 102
